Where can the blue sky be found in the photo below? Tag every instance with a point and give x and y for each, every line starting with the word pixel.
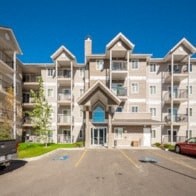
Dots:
pixel 41 26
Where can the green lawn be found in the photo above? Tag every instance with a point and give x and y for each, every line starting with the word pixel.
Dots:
pixel 27 150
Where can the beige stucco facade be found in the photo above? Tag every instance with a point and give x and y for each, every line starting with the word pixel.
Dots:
pixel 117 98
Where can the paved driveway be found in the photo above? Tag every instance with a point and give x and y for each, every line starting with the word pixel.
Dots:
pixel 102 172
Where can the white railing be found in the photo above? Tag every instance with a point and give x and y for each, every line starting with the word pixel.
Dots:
pixel 119 65
pixel 63 118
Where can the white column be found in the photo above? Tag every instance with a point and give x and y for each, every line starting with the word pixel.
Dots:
pixel 14 106
pixel 127 80
pixel 188 96
pixel 71 101
pixel 110 69
pixel 172 89
pixel 56 134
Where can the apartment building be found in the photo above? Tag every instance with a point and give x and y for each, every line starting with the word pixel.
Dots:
pixel 117 98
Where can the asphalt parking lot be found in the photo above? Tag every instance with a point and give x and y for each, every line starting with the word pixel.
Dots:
pixel 104 172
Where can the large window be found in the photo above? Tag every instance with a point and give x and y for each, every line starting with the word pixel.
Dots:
pixel 50 92
pixel 153 111
pixel 118 132
pixel 50 72
pixel 134 109
pixel 100 65
pixel 98 115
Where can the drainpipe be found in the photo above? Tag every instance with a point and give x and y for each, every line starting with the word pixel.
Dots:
pixel 71 102
pixel 56 70
pixel 14 104
pixel 127 85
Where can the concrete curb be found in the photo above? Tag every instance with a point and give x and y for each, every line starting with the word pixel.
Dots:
pixel 49 153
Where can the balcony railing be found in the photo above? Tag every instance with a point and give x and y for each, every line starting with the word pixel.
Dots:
pixel 4 85
pixel 176 118
pixel 62 138
pixel 6 59
pixel 64 118
pixel 27 120
pixel 177 94
pixel 28 100
pixel 119 66
pixel 31 77
pixel 62 97
pixel 120 91
pixel 64 73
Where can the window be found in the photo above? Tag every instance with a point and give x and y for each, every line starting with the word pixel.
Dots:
pixel 134 109
pixel 118 132
pixel 153 133
pixel 190 90
pixel 119 109
pixel 82 72
pixel 191 68
pixel 81 133
pixel 98 115
pixel 81 112
pixel 190 111
pixel 188 133
pixel 152 67
pixel 134 88
pixel 81 91
pixel 50 72
pixel 50 92
pixel 153 111
pixel 134 64
pixel 152 90
pixel 100 65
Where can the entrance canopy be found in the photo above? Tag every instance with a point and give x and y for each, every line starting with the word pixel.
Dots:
pixel 98 93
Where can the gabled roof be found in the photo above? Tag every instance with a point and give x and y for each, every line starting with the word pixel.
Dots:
pixel 121 37
pixel 183 42
pixel 60 50
pixel 13 38
pixel 92 89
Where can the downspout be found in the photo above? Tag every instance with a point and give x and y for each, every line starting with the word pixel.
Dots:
pixel 188 96
pixel 14 106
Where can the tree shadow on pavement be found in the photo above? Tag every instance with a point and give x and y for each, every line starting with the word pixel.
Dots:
pixel 14 164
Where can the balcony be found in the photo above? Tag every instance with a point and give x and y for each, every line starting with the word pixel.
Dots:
pixel 64 77
pixel 180 72
pixel 64 119
pixel 30 79
pixel 120 91
pixel 179 96
pixel 62 138
pixel 28 102
pixel 178 119
pixel 27 122
pixel 64 99
pixel 6 61
pixel 4 86
pixel 119 69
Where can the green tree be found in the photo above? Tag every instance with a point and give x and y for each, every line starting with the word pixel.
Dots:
pixel 6 125
pixel 41 113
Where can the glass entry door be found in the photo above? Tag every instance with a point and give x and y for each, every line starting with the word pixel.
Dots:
pixel 98 136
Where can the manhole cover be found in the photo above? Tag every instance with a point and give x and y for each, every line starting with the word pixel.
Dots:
pixel 148 160
pixel 62 158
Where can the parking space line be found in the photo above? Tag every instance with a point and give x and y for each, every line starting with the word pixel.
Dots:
pixel 82 156
pixel 130 160
pixel 175 161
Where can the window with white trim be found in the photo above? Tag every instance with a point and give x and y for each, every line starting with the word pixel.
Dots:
pixel 153 133
pixel 152 90
pixel 81 91
pixel 135 64
pixel 190 111
pixel 119 109
pixel 134 87
pixel 100 65
pixel 50 92
pixel 50 72
pixel 153 67
pixel 118 132
pixel 134 109
pixel 190 89
pixel 153 111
